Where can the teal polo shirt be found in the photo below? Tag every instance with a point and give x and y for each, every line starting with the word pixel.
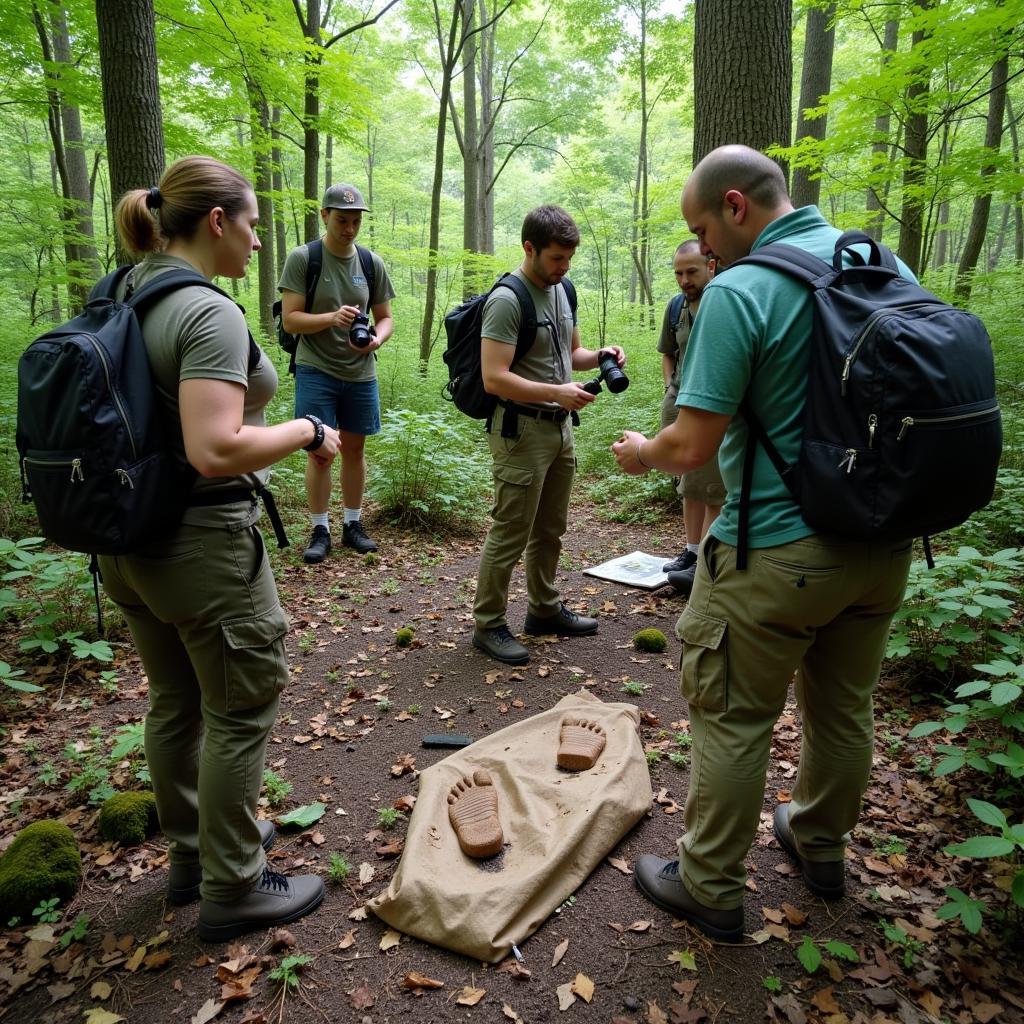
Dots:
pixel 753 333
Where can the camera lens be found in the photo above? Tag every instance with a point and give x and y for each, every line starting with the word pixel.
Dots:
pixel 614 378
pixel 359 332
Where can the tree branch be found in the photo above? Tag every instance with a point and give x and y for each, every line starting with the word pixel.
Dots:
pixel 365 23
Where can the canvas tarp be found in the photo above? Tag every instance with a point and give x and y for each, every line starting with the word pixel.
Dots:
pixel 558 826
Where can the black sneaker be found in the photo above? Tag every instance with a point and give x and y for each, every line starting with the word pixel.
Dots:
pixel 658 879
pixel 319 546
pixel 682 582
pixel 565 622
pixel 183 879
pixel 277 899
pixel 500 644
pixel 682 561
pixel 354 536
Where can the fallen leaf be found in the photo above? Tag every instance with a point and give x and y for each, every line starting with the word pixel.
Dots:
pixel 135 960
pixel 347 939
pixel 470 996
pixel 60 990
pixel 544 671
pixel 685 958
pixel 620 865
pixel 361 997
pixel 97 1015
pixel 210 1009
pixel 357 914
pixel 655 1014
pixel 283 939
pixel 509 1012
pixel 157 959
pixel 565 996
pixel 583 987
pixel 405 764
pixel 825 1000
pixel 239 986
pixel 390 939
pixel 560 949
pixel 416 980
pixel 513 967
pixel 639 926
pixel 794 916
pixel 366 873
pixel 100 990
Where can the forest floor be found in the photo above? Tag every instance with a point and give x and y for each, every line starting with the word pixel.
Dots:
pixel 349 736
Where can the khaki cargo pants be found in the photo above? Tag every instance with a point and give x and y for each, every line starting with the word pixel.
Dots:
pixel 820 608
pixel 533 476
pixel 204 613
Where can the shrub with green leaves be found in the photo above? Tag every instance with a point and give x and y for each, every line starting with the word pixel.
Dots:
pixel 127 818
pixel 43 863
pixel 427 472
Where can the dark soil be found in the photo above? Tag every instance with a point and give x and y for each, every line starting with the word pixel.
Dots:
pixel 337 741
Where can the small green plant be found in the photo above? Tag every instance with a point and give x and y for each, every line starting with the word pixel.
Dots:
pixel 413 709
pixel 338 868
pixel 384 705
pixel 569 901
pixel 390 587
pixel 286 975
pixel 277 789
pixel 634 688
pixel 910 947
pixel 332 675
pixel 683 740
pixel 77 931
pixel 679 760
pixel 810 956
pixel 888 847
pixel 388 817
pixel 89 774
pixel 11 678
pixel 653 757
pixel 46 910
pixel 371 558
pixel 404 636
pixel 961 906
pixel 772 983
pixel 306 642
pixel 47 774
pixel 653 641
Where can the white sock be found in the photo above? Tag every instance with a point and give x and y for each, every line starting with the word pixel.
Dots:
pixel 320 519
pixel 353 515
pixel 692 547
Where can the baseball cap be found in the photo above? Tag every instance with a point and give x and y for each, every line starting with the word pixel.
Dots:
pixel 343 197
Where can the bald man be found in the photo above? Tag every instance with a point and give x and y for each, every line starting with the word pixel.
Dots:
pixel 807 603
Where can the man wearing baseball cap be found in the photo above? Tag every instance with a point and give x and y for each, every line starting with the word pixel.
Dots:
pixel 335 365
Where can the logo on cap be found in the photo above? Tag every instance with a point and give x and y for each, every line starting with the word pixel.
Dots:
pixel 348 196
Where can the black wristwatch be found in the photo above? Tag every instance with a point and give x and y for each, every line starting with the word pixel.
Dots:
pixel 318 435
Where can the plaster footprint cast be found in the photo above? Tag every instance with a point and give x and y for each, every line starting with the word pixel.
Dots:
pixel 580 744
pixel 473 812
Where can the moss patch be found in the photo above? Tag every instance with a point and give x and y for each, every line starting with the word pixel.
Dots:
pixel 127 818
pixel 403 636
pixel 42 862
pixel 651 640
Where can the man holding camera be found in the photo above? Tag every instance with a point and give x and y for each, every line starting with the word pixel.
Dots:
pixel 531 439
pixel 701 489
pixel 336 365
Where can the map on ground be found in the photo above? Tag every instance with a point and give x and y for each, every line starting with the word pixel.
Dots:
pixel 635 570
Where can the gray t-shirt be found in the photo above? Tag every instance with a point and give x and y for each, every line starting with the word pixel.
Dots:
pixel 673 339
pixel 549 359
pixel 341 284
pixel 196 334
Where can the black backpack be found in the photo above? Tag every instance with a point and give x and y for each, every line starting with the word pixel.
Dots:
pixel 465 387
pixel 89 434
pixel 901 432
pixel 290 342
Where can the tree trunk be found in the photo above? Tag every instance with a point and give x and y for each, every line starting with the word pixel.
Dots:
pixel 449 57
pixel 263 181
pixel 470 155
pixel 942 239
pixel 1000 243
pixel 280 228
pixel 371 163
pixel 329 163
pixel 915 161
pixel 133 123
pixel 1018 199
pixel 815 83
pixel 983 200
pixel 485 167
pixel 880 147
pixel 742 74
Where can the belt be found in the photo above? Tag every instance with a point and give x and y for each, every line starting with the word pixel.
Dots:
pixel 233 495
pixel 547 415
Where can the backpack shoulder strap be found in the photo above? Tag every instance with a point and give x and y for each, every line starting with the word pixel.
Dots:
pixel 528 327
pixel 790 260
pixel 675 309
pixel 366 262
pixel 142 300
pixel 314 264
pixel 570 294
pixel 106 287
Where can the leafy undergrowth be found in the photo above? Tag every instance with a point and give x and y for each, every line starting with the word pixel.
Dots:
pixel 925 934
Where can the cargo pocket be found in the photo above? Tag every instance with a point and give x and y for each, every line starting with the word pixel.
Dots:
pixel 510 486
pixel 704 672
pixel 255 666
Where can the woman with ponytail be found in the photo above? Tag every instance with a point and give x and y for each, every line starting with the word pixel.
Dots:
pixel 201 604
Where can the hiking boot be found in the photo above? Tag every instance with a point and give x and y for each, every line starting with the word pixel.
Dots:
pixel 682 561
pixel 825 878
pixel 658 879
pixel 275 900
pixel 183 880
pixel 319 546
pixel 500 644
pixel 682 582
pixel 564 623
pixel 354 536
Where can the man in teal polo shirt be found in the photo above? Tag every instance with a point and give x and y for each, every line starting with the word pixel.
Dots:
pixel 808 603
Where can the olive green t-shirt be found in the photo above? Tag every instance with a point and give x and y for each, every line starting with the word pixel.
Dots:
pixel 341 283
pixel 196 334
pixel 673 339
pixel 549 359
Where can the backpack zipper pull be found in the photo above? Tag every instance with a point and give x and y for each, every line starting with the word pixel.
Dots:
pixel 845 375
pixel 126 480
pixel 76 470
pixel 905 424
pixel 849 459
pixel 872 424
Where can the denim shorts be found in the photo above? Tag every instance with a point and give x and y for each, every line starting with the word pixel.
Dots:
pixel 350 405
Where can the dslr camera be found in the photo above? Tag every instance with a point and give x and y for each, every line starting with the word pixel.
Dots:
pixel 360 331
pixel 609 372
